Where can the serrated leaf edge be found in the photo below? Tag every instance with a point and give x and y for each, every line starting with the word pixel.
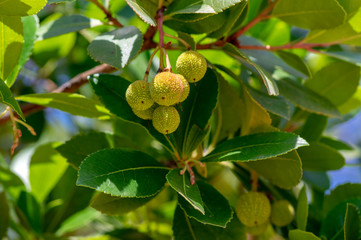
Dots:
pixel 144 196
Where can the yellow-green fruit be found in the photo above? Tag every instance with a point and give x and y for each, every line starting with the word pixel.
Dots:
pixel 186 88
pixel 138 95
pixel 166 88
pixel 145 114
pixel 253 209
pixel 166 119
pixel 282 213
pixel 257 230
pixel 192 65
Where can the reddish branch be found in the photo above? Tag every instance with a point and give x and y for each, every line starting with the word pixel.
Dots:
pixel 149 43
pixel 233 38
pixel 263 15
pixel 107 13
pixel 68 87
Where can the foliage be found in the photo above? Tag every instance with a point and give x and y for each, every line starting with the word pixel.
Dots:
pixel 278 74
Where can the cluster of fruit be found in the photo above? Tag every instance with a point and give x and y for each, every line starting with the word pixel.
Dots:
pixel 255 211
pixel 155 100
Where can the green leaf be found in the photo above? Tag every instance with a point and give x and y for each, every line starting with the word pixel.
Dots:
pixel 123 172
pixel 355 20
pixel 58 1
pixel 337 82
pixel 188 228
pixel 11 183
pixel 111 205
pixel 7 98
pixel 11 43
pixel 301 235
pixel 72 103
pixel 336 144
pixel 21 7
pixel 117 48
pixel 196 112
pixel 267 79
pixel 30 25
pixel 234 14
pixel 322 14
pixel 188 38
pixel 295 61
pixel 268 60
pixel 306 98
pixel 145 9
pixel 53 48
pixel 201 7
pixel 255 147
pixel 274 104
pixel 318 180
pixel 135 133
pixel 65 24
pixel 320 157
pixel 352 222
pixel 80 146
pixel 333 224
pixel 284 171
pixel 302 210
pixel 66 199
pixel 229 110
pixel 111 91
pixel 78 220
pixel 344 34
pixel 203 25
pixel 182 184
pixel 350 6
pixel 217 209
pixel 4 216
pixel 30 208
pixel 46 163
pixel 314 127
pixel 352 103
pixel 340 194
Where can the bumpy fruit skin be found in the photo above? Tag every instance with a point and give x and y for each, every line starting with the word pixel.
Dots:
pixel 138 95
pixel 145 114
pixel 166 88
pixel 166 119
pixel 192 65
pixel 282 213
pixel 186 88
pixel 257 230
pixel 253 209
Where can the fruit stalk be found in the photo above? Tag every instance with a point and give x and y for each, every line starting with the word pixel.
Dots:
pixel 168 66
pixel 180 40
pixel 150 64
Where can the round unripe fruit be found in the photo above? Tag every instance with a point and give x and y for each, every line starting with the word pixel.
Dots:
pixel 166 119
pixel 166 88
pixel 145 114
pixel 192 65
pixel 138 95
pixel 257 230
pixel 282 213
pixel 186 88
pixel 253 209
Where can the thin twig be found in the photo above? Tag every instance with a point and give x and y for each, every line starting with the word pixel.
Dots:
pixel 179 39
pixel 146 74
pixel 107 13
pixel 256 20
pixel 68 87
